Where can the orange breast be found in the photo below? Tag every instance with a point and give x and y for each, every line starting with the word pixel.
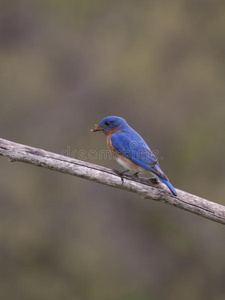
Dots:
pixel 109 144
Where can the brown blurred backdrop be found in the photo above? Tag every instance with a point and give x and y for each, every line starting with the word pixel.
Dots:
pixel 64 65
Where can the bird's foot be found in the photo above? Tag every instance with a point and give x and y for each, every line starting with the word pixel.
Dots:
pixel 120 173
pixel 153 180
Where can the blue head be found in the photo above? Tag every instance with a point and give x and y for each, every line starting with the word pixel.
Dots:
pixel 111 123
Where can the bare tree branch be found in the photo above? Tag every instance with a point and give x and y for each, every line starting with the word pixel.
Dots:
pixel 146 188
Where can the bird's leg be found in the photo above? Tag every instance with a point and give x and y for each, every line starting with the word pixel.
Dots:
pixel 120 173
pixel 135 174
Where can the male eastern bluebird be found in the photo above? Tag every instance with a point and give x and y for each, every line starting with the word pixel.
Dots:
pixel 129 149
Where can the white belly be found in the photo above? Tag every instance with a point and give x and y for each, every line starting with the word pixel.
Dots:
pixel 127 167
pixel 137 169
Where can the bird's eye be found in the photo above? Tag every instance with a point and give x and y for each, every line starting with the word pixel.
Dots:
pixel 107 123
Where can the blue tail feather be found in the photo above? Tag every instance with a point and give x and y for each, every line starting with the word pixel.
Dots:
pixel 169 185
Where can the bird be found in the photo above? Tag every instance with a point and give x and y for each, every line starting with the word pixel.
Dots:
pixel 130 150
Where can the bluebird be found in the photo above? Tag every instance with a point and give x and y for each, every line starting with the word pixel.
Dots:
pixel 130 150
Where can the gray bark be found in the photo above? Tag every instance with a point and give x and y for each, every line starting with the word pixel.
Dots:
pixel 144 187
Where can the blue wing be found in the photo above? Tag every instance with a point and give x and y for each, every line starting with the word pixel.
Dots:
pixel 132 146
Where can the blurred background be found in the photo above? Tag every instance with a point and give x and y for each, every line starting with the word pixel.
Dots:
pixel 65 65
